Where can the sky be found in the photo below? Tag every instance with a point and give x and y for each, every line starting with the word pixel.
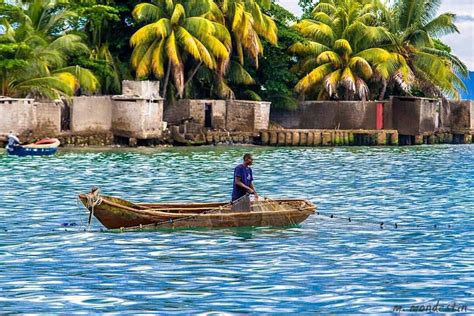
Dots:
pixel 462 44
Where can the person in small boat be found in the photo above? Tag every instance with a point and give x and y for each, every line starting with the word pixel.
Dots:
pixel 243 179
pixel 13 140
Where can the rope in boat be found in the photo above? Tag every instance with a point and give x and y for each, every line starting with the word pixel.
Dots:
pixel 93 200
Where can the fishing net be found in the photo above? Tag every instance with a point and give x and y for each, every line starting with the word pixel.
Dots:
pixel 267 205
pixel 244 204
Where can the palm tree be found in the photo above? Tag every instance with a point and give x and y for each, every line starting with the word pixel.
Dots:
pixel 248 22
pixel 344 50
pixel 416 26
pixel 97 20
pixel 178 31
pixel 37 31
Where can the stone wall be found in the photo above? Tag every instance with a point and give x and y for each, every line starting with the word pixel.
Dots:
pixel 137 118
pixel 333 115
pixel 195 109
pixel 48 118
pixel 457 115
pixel 91 114
pixel 17 115
pixel 235 115
pixel 415 116
pixel 247 116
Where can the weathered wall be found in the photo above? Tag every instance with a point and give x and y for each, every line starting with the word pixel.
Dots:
pixel 457 115
pixel 91 114
pixel 48 118
pixel 175 112
pixel 333 115
pixel 195 109
pixel 262 115
pixel 138 118
pixel 247 116
pixel 143 89
pixel 17 115
pixel 240 116
pixel 415 116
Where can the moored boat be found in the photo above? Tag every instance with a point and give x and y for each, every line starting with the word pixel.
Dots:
pixel 116 213
pixel 44 147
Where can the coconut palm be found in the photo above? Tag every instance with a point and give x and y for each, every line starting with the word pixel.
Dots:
pixel 416 27
pixel 248 22
pixel 96 20
pixel 37 30
pixel 344 50
pixel 178 31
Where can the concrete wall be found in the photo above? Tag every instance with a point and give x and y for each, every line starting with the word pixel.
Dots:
pixel 142 89
pixel 17 115
pixel 415 116
pixel 48 118
pixel 235 115
pixel 195 109
pixel 247 116
pixel 457 115
pixel 91 114
pixel 137 118
pixel 333 115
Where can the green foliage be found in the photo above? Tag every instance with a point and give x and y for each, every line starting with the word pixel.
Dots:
pixel 36 51
pixel 342 51
pixel 274 79
pixel 416 28
pixel 229 48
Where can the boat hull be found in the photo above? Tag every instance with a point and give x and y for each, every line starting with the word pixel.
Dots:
pixel 25 151
pixel 115 213
pixel 44 147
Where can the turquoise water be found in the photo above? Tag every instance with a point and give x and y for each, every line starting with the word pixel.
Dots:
pixel 327 265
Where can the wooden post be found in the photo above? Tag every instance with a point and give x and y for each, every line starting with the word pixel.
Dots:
pixel 318 139
pixel 281 139
pixel 310 139
pixel 296 139
pixel 351 138
pixel 303 139
pixel 381 139
pixel 288 138
pixel 327 138
pixel 394 139
pixel 265 137
pixel 273 138
pixel 337 139
pixel 346 139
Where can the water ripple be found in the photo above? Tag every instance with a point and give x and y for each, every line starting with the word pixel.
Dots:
pixel 324 266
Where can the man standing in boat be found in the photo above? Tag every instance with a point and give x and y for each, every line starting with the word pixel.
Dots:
pixel 13 140
pixel 243 180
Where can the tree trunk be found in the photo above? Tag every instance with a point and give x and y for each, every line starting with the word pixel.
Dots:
pixel 167 79
pixel 193 73
pixel 384 89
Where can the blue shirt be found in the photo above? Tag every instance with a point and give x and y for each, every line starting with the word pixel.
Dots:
pixel 245 175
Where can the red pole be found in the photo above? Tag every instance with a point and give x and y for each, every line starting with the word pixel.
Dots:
pixel 379 119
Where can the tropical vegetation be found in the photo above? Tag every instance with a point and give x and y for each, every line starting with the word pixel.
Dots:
pixel 252 49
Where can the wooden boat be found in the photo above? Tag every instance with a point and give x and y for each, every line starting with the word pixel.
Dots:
pixel 116 213
pixel 44 147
